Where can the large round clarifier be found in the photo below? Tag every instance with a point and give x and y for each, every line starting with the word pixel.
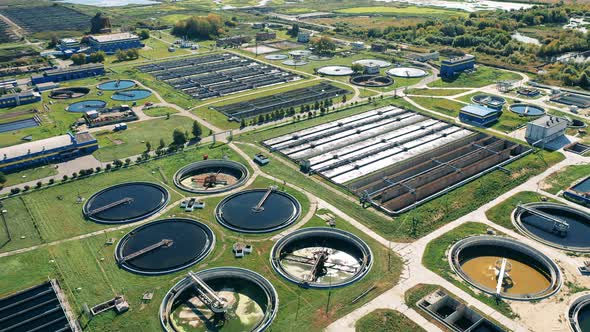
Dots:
pixel 131 95
pixel 335 71
pixel 116 85
pixel 164 246
pixel 258 211
pixel 276 57
pixel 492 101
pixel 211 176
pixel 372 63
pixel 407 72
pixel 69 93
pixel 528 273
pixel 579 314
pixel 252 302
pixel 292 62
pixel 86 106
pixel 371 81
pixel 556 225
pixel 126 202
pixel 527 110
pixel 321 257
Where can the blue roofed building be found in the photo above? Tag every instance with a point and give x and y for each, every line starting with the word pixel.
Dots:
pixel 50 150
pixel 69 73
pixel 452 67
pixel 17 99
pixel 479 115
pixel 113 42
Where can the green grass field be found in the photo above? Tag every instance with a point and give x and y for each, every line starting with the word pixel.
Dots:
pixel 387 321
pixel 501 213
pixel 401 11
pixel 564 178
pixel 441 105
pixel 481 77
pixel 436 92
pixel 29 175
pixel 159 111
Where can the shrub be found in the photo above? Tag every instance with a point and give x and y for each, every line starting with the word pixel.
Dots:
pixel 15 191
pixel 39 184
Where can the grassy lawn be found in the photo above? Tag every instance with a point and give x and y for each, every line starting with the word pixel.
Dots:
pixel 132 141
pixel 481 77
pixel 435 259
pixel 29 175
pixel 501 213
pixel 436 92
pixel 564 178
pixel 401 11
pixel 159 111
pixel 386 320
pixel 440 105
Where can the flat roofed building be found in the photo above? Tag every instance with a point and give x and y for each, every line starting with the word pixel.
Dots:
pixel 262 36
pixel 71 44
pixel 69 73
pixel 479 115
pixel 423 57
pixel 114 42
pixel 545 129
pixel 303 36
pixel 18 99
pixel 452 67
pixel 49 150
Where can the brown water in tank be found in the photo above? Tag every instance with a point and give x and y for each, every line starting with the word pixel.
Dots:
pixel 526 279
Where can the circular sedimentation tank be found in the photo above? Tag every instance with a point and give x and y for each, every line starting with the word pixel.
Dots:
pixel 276 57
pixel 321 257
pixel 576 124
pixel 86 106
pixel 407 72
pixel 164 246
pixel 372 63
pixel 131 95
pixel 258 210
pixel 541 221
pixel 292 62
pixel 319 57
pixel 300 53
pixel 489 100
pixel 116 85
pixel 579 314
pixel 126 202
pixel 527 110
pixel 529 274
pixel 371 81
pixel 335 71
pixel 69 93
pixel 252 302
pixel 211 176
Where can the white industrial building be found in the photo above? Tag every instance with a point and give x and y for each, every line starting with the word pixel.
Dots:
pixel 545 129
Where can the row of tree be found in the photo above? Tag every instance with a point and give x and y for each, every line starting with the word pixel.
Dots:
pixel 199 27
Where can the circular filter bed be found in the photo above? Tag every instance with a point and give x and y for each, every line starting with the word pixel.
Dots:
pixel 251 302
pixel 126 202
pixel 407 72
pixel 258 210
pixel 372 63
pixel 300 53
pixel 69 93
pixel 86 106
pixel 528 273
pixel 489 100
pixel 553 224
pixel 335 71
pixel 164 246
pixel 291 62
pixel 211 176
pixel 116 85
pixel 371 81
pixel 276 57
pixel 131 95
pixel 579 314
pixel 527 110
pixel 321 257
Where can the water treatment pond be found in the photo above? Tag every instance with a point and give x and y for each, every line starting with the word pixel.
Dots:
pixel 189 242
pixel 583 186
pixel 238 211
pixel 527 110
pixel 584 318
pixel 131 95
pixel 116 85
pixel 126 202
pixel 86 106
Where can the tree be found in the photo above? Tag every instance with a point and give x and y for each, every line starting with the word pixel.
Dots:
pixel 97 57
pixel 78 59
pixel 343 98
pixel 178 137
pixel 199 27
pixel 144 34
pixel 64 178
pixel 162 144
pixel 196 131
pixel 108 167
pixel 357 68
pixel 53 42
pixel 121 55
pixel 3 178
pixel 242 123
pixel 294 31
pixel 148 146
pixel 323 45
pixel 127 162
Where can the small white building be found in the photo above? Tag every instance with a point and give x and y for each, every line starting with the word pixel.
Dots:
pixel 303 37
pixel 372 69
pixel 545 129
pixel 358 45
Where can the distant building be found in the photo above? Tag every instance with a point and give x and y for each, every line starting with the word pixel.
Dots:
pixel 258 25
pixel 69 73
pixel 18 99
pixel 372 69
pixel 358 45
pixel 304 37
pixel 545 129
pixel 234 41
pixel 479 115
pixel 315 15
pixel 69 44
pixel 423 57
pixel 262 36
pixel 452 67
pixel 378 47
pixel 46 86
pixel 49 150
pixel 114 42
